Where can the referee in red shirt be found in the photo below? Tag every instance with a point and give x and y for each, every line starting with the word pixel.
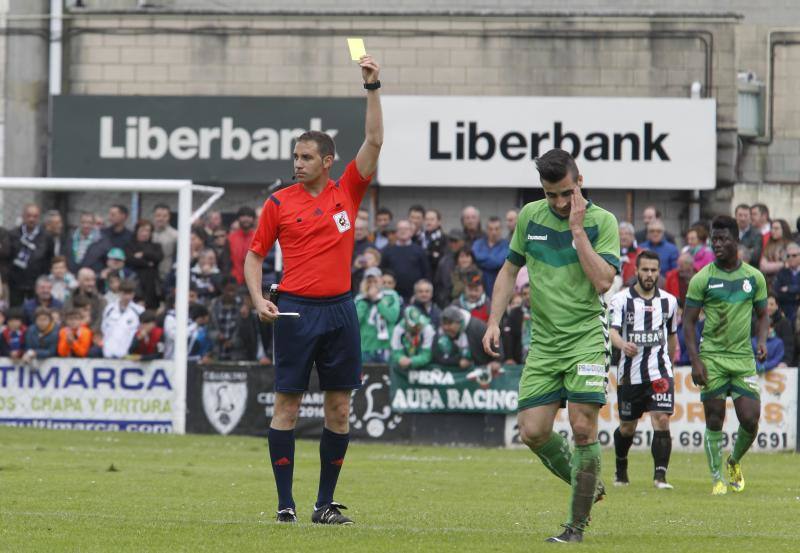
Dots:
pixel 314 219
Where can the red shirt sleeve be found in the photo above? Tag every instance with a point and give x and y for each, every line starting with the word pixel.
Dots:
pixel 267 231
pixel 352 181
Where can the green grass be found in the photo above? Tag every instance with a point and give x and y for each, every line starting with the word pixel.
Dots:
pixel 58 492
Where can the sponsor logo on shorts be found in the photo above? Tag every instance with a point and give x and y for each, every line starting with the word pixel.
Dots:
pixel 660 386
pixel 752 381
pixel 591 369
pixel 594 383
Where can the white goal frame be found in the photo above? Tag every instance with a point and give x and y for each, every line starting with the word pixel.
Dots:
pixel 184 189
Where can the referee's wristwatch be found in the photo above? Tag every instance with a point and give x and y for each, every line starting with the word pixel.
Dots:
pixel 372 86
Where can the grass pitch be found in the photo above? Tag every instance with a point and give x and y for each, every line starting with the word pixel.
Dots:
pixel 83 491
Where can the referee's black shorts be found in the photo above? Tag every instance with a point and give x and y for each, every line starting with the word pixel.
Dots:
pixel 326 335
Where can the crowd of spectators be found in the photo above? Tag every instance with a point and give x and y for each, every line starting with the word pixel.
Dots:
pixel 103 290
pixel 422 293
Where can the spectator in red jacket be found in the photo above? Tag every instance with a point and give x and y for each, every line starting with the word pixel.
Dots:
pixel 677 280
pixel 239 241
pixel 474 299
pixel 148 341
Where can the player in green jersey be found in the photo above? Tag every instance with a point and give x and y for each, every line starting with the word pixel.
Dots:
pixel 727 290
pixel 571 249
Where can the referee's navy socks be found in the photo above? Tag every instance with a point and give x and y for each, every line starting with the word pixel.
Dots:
pixel 332 449
pixel 281 454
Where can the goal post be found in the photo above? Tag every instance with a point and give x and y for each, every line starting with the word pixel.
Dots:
pixel 184 189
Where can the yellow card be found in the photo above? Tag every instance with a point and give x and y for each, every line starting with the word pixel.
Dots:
pixel 357 49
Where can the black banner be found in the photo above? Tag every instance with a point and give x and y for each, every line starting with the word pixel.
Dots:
pixel 233 398
pixel 208 139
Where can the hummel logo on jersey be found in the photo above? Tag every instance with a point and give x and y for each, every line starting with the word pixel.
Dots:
pixel 537 237
pixel 282 462
pixel 712 286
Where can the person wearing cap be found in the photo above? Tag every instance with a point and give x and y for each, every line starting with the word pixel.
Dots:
pixel 412 341
pixel 442 280
pixel 473 299
pixel 115 264
pixel 239 241
pixel 120 322
pixel 458 343
pixel 378 311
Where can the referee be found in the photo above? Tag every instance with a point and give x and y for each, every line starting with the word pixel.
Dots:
pixel 644 321
pixel 314 219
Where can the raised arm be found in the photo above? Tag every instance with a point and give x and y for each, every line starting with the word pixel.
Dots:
pixel 367 156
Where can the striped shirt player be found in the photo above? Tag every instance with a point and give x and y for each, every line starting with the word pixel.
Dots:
pixel 644 322
pixel 647 323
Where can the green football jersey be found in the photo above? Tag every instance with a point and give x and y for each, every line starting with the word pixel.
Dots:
pixel 728 299
pixel 567 314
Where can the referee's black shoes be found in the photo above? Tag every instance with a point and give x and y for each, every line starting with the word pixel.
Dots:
pixel 330 514
pixel 286 516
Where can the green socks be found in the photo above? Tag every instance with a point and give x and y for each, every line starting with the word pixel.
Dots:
pixel 713 447
pixel 584 475
pixel 555 455
pixel 744 440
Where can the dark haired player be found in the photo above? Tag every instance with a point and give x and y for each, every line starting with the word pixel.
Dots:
pixel 571 249
pixel 727 290
pixel 644 323
pixel 314 221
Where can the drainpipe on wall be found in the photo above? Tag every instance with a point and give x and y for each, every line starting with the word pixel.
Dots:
pixel 694 202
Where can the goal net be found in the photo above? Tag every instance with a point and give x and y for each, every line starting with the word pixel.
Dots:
pixel 101 393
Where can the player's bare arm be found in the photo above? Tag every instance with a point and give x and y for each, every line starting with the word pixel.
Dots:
pixel 762 329
pixel 267 311
pixel 699 373
pixel 501 295
pixel 672 345
pixel 367 156
pixel 628 348
pixel 597 270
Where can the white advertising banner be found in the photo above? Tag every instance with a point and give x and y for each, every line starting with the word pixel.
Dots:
pixel 629 143
pixel 777 430
pixel 88 394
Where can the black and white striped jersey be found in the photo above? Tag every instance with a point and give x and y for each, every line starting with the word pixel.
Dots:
pixel 647 323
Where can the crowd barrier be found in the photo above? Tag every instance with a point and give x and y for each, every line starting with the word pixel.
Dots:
pixel 427 406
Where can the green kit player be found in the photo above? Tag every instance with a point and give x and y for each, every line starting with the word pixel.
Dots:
pixel 571 249
pixel 727 290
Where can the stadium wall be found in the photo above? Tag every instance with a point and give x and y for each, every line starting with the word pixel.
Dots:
pixel 169 53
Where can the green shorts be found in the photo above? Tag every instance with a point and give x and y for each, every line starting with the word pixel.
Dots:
pixel 730 376
pixel 578 378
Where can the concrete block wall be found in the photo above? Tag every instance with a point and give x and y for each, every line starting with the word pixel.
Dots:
pixel 420 55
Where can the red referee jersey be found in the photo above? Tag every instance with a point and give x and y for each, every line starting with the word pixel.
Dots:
pixel 316 234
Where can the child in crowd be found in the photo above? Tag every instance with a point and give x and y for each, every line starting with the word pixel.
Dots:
pixel 200 344
pixel 75 338
pixel 12 336
pixel 207 277
pixel 63 281
pixel 148 342
pixel 112 288
pixel 41 338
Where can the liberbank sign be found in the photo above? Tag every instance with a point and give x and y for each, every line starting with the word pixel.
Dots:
pixel 209 139
pixel 630 143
